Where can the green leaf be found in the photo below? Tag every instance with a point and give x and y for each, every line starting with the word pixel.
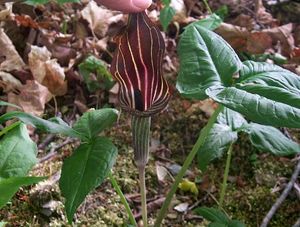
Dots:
pixel 42 2
pixel 9 127
pixel 217 142
pixel 212 214
pixel 85 170
pixel 166 16
pixel 99 68
pixel 17 152
pixel 270 139
pixel 93 122
pixel 222 12
pixel 217 218
pixel 211 22
pixel 256 107
pixel 9 186
pixel 66 1
pixel 53 125
pixel 206 59
pixel 36 2
pixel 270 81
pixel 264 93
pixel 2 103
pixel 231 118
pixel 236 223
pixel 217 224
pixel 166 2
pixel 278 59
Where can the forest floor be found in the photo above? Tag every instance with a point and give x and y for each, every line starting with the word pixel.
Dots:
pixel 256 179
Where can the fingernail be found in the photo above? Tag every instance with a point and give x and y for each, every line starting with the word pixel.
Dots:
pixel 142 4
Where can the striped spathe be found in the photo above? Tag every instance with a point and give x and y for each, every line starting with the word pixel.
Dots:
pixel 137 67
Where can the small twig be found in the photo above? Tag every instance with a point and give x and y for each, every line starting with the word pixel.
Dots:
pixel 55 105
pixel 152 206
pixel 297 224
pixel 217 202
pixel 164 159
pixel 297 189
pixel 282 197
pixel 196 204
pixel 296 159
pixel 53 151
pixel 45 143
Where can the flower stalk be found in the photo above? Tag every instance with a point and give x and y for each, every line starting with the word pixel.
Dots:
pixel 137 67
pixel 141 136
pixel 143 194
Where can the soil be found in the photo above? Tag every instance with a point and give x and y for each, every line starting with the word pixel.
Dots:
pixel 256 179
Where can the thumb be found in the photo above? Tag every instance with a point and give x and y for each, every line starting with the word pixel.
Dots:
pixel 141 4
pixel 126 6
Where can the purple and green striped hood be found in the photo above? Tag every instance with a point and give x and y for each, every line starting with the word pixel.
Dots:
pixel 137 66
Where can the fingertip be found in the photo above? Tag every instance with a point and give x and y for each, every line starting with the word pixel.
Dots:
pixel 141 5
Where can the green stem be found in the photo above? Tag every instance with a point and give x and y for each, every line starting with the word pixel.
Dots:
pixel 143 195
pixel 225 177
pixel 123 199
pixel 207 6
pixel 200 141
pixel 141 136
pixel 10 127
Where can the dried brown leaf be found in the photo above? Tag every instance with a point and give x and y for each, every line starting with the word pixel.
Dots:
pixel 258 42
pixel 283 35
pixel 32 98
pixel 36 60
pixel 8 82
pixel 55 78
pixel 161 172
pixel 12 60
pixel 98 18
pixel 47 71
pixel 245 21
pixel 26 21
pixel 182 207
pixel 235 35
pixel 6 11
pixel 262 16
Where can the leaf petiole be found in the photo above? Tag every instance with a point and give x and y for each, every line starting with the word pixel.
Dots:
pixel 200 141
pixel 123 198
pixel 225 177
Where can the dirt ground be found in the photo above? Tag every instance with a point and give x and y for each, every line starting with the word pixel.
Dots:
pixel 256 179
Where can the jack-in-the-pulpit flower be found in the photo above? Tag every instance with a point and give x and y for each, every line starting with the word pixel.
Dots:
pixel 137 66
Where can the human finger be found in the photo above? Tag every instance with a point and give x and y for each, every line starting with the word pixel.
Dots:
pixel 126 6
